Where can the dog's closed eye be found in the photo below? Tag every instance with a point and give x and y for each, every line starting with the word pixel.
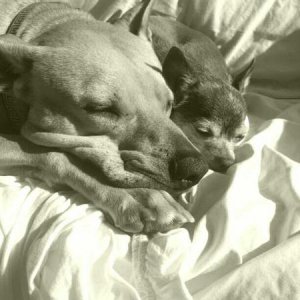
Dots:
pixel 96 108
pixel 205 128
pixel 237 139
pixel 204 131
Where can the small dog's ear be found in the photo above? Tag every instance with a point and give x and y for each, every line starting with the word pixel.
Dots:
pixel 136 20
pixel 15 59
pixel 241 81
pixel 176 69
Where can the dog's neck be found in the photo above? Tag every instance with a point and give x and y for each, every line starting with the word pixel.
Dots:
pixel 28 24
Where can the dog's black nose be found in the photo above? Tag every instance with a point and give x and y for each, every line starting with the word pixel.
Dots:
pixel 188 169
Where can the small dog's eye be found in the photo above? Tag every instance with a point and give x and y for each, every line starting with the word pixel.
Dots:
pixel 205 132
pixel 238 138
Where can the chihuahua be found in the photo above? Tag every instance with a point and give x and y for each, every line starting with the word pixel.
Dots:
pixel 208 102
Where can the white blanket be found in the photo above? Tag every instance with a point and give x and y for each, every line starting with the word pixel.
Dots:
pixel 244 243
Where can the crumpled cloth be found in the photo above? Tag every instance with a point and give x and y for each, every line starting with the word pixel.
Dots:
pixel 57 246
pixel 157 264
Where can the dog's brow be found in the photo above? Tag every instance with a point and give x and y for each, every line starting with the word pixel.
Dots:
pixel 204 123
pixel 93 100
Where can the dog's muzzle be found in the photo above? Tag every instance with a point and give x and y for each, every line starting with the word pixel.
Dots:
pixel 188 170
pixel 182 172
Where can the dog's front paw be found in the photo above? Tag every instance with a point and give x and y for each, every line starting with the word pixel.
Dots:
pixel 149 211
pixel 126 213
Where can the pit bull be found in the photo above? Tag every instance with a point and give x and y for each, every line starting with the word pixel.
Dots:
pixel 84 104
pixel 209 106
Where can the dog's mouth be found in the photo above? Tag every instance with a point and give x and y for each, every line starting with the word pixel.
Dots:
pixel 156 177
pixel 174 186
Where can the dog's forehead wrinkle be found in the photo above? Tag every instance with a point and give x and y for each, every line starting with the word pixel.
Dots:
pixel 97 90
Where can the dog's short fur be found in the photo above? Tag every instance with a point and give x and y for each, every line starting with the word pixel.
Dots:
pixel 90 109
pixel 209 106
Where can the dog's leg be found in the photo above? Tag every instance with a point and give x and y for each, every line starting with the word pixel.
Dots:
pixel 132 210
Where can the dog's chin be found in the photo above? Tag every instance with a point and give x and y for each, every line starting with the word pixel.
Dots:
pixel 221 167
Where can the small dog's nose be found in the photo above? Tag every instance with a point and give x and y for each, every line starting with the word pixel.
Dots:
pixel 188 169
pixel 221 164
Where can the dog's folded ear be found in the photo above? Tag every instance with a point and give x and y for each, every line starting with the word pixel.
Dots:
pixel 241 81
pixel 136 19
pixel 177 71
pixel 16 57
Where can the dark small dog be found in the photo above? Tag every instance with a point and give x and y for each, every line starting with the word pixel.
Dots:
pixel 209 106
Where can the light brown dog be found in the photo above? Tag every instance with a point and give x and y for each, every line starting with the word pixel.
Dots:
pixel 85 105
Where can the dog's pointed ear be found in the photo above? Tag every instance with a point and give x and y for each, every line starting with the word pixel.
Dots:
pixel 242 80
pixel 176 70
pixel 15 59
pixel 136 19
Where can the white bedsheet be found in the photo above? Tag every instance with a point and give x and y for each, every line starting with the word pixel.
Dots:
pixel 244 243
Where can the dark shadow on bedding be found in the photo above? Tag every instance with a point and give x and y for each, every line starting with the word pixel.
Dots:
pixel 277 73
